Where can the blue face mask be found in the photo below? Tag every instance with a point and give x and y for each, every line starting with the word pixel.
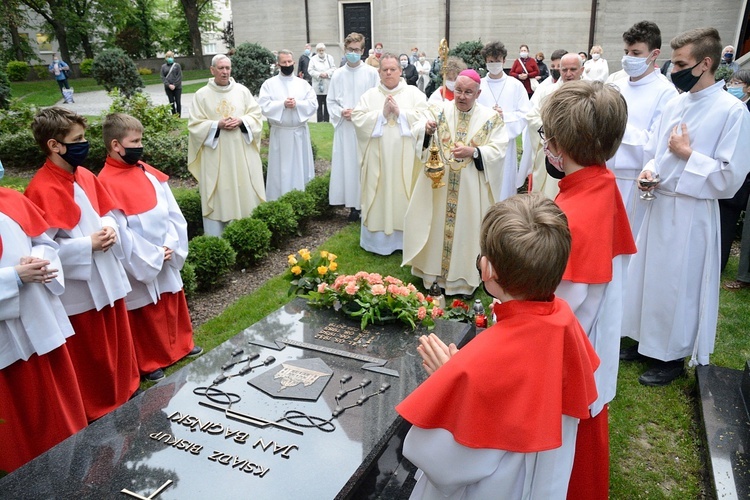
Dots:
pixel 75 153
pixel 307 52
pixel 353 57
pixel 2 170
pixel 170 60
pixel 736 92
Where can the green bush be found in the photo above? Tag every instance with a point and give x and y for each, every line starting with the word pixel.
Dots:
pixel 250 238
pixel 318 189
pixel 314 151
pixel 85 67
pixel 189 281
pixel 19 150
pixel 17 116
pixel 251 65
pixel 145 71
pixel 279 217
pixel 189 202
pixel 470 52
pixel 17 71
pixel 302 203
pixel 97 151
pixel 212 258
pixel 112 68
pixel 154 119
pixel 167 152
pixel 4 90
pixel 41 71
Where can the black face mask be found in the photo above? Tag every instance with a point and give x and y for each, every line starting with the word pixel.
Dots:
pixel 552 171
pixel 132 155
pixel 685 79
pixel 75 153
pixel 287 70
pixel 555 74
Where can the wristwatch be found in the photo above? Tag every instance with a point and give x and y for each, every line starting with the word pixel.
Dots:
pixel 476 153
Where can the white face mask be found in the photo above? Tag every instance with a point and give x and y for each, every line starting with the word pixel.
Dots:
pixel 404 64
pixel 524 54
pixel 635 66
pixel 596 57
pixel 451 84
pixel 495 68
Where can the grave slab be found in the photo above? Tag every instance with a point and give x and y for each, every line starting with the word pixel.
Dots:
pixel 182 439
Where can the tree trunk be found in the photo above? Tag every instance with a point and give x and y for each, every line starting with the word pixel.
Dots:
pixel 16 40
pixel 86 43
pixel 191 15
pixel 62 39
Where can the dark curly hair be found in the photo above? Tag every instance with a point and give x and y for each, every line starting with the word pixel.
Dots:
pixel 644 31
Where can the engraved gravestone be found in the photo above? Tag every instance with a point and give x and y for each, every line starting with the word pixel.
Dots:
pixel 299 405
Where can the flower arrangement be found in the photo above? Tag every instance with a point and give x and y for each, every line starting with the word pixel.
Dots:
pixel 308 272
pixel 459 311
pixel 376 299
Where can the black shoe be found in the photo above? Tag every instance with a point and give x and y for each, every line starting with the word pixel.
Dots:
pixel 195 351
pixel 354 215
pixel 663 373
pixel 155 375
pixel 631 354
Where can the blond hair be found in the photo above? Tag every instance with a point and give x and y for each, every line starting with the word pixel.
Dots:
pixel 54 123
pixel 354 37
pixel 116 126
pixel 454 65
pixel 527 241
pixel 586 120
pixel 705 42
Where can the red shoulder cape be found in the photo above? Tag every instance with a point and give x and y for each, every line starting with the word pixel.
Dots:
pixel 599 226
pixel 51 189
pixel 128 186
pixel 509 387
pixel 23 212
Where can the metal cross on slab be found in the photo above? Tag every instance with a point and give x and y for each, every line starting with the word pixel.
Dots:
pixel 372 364
pixel 151 496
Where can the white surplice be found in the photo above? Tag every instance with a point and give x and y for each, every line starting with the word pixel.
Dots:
pixel 290 159
pixel 672 296
pixel 347 86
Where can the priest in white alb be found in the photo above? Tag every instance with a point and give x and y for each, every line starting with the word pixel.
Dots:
pixel 288 103
pixel 389 121
pixel 441 234
pixel 347 86
pixel 224 148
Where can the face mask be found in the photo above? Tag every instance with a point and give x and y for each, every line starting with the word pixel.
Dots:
pixel 352 57
pixel 55 61
pixel 635 66
pixel 286 70
pixel 495 68
pixel 728 56
pixel 404 64
pixel 170 60
pixel 451 84
pixel 524 54
pixel 555 74
pixel 554 161
pixel 2 170
pixel 322 55
pixel 421 59
pixel 595 57
pixel 132 155
pixel 378 51
pixel 75 153
pixel 307 52
pixel 685 79
pixel 414 53
pixel 736 92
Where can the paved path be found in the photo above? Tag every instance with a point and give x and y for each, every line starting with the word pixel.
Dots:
pixel 95 102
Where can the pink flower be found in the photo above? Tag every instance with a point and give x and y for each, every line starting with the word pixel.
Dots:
pixel 361 274
pixel 375 279
pixel 421 313
pixel 351 289
pixel 339 282
pixel 378 290
pixel 392 280
pixel 436 312
pixel 411 288
pixel 420 296
pixel 402 290
pixel 393 289
pixel 322 287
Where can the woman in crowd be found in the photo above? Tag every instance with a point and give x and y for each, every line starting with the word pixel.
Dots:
pixel 596 68
pixel 525 69
pixel 423 71
pixel 543 70
pixel 409 72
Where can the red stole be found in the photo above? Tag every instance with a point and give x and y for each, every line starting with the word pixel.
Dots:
pixel 599 226
pixel 51 189
pixel 509 387
pixel 130 189
pixel 23 212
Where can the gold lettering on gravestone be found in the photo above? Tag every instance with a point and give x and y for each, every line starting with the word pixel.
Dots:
pixel 291 375
pixel 345 334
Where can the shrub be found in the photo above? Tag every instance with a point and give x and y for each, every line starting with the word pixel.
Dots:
pixel 318 189
pixel 212 258
pixel 17 71
pixel 470 53
pixel 4 90
pixel 251 65
pixel 250 238
pixel 314 151
pixel 189 202
pixel 19 150
pixel 85 67
pixel 145 71
pixel 16 117
pixel 189 281
pixel 41 71
pixel 279 217
pixel 154 118
pixel 167 152
pixel 112 68
pixel 302 203
pixel 97 151
pixel 723 73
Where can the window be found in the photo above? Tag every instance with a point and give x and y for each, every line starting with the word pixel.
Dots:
pixel 209 48
pixel 43 41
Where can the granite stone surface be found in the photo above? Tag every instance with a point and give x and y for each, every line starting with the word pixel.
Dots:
pixel 179 431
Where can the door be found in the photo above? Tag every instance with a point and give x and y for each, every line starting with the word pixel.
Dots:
pixel 357 18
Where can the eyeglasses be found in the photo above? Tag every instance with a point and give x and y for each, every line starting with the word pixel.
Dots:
pixel 356 51
pixel 467 93
pixel 541 134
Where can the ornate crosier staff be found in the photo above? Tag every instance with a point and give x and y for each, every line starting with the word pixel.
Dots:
pixel 434 168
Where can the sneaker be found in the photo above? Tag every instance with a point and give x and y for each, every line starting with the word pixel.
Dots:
pixel 155 375
pixel 195 351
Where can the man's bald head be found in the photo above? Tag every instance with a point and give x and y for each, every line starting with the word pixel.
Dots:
pixel 571 68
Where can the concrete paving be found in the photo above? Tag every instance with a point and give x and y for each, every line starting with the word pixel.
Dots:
pixel 96 102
